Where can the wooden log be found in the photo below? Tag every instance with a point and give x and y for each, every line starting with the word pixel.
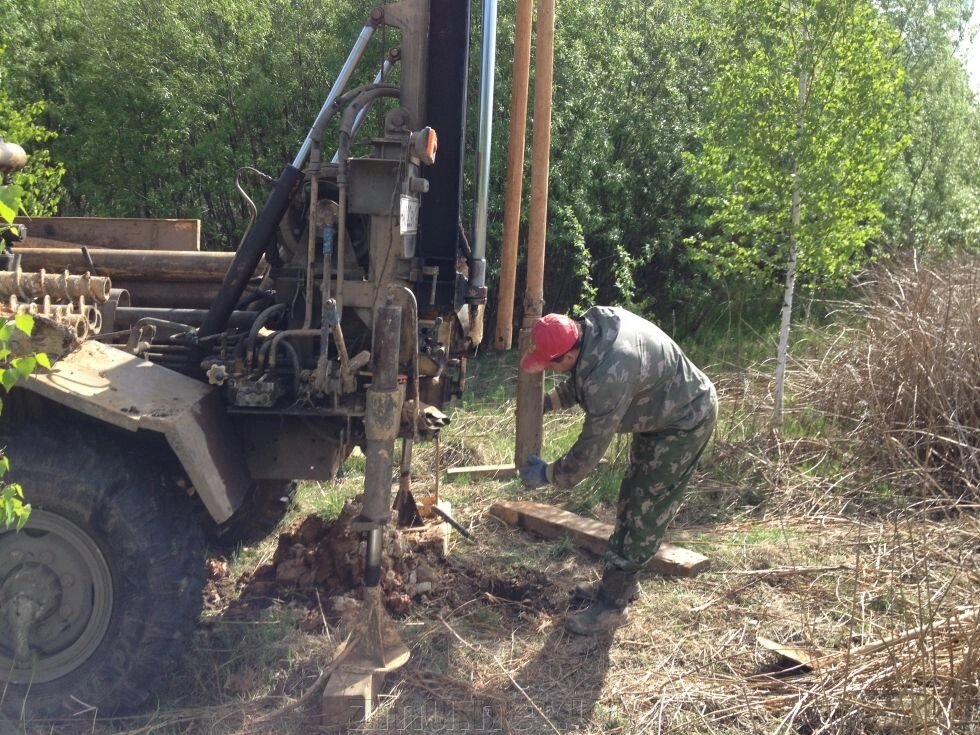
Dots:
pixel 116 232
pixel 135 265
pixel 554 523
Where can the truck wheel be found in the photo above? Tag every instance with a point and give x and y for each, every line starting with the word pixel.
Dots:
pixel 102 588
pixel 264 508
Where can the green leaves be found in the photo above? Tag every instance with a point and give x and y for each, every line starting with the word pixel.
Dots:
pixel 808 101
pixel 13 510
pixel 35 190
pixel 10 199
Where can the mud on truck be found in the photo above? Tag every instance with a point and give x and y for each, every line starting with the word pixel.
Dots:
pixel 344 318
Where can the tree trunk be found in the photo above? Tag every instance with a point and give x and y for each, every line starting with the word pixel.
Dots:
pixel 791 264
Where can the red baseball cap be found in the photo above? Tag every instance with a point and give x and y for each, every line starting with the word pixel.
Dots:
pixel 551 337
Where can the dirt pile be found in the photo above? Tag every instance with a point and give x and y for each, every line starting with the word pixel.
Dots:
pixel 319 565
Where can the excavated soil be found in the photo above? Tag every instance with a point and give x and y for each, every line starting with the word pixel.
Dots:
pixel 318 566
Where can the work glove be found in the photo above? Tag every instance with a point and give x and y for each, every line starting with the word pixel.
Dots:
pixel 535 472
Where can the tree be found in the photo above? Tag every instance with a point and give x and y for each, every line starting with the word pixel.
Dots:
pixel 37 188
pixel 159 104
pixel 934 191
pixel 802 122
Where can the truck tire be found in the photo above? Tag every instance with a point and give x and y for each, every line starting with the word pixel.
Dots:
pixel 102 588
pixel 264 508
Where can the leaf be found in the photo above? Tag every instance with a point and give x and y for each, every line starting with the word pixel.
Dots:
pixel 10 197
pixel 43 361
pixel 23 515
pixel 24 366
pixel 25 323
pixel 8 379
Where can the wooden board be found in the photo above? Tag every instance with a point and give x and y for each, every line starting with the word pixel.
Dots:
pixel 116 232
pixel 350 697
pixel 491 471
pixel 801 657
pixel 554 523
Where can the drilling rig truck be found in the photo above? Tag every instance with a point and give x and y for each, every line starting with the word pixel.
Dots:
pixel 344 318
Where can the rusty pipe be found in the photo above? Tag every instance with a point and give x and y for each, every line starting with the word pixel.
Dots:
pixel 381 424
pixel 135 265
pixel 63 286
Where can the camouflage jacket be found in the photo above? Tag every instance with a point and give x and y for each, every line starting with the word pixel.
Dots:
pixel 630 377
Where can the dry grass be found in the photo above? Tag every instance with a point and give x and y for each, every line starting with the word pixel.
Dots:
pixel 909 374
pixel 825 539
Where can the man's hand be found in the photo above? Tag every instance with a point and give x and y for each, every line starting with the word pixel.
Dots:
pixel 535 472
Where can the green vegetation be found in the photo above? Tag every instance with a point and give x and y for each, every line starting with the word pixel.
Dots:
pixel 36 190
pixel 155 112
pixel 696 145
pixel 13 510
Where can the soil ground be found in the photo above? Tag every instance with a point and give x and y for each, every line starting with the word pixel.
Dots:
pixel 794 559
pixel 490 654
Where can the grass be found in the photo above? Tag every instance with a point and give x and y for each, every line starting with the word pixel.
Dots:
pixel 821 538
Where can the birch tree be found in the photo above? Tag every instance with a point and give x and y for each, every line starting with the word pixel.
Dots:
pixel 802 119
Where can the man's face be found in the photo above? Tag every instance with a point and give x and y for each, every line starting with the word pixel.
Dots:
pixel 566 362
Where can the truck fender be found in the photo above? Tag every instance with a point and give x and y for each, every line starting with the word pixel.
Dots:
pixel 123 390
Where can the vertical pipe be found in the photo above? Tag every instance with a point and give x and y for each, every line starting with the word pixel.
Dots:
pixel 478 267
pixel 515 177
pixel 529 387
pixel 381 424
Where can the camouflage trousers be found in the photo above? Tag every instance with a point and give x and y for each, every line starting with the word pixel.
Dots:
pixel 661 464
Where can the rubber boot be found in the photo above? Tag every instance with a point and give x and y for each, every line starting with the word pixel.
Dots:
pixel 586 590
pixel 609 609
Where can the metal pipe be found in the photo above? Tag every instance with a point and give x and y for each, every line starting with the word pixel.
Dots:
pixel 280 336
pixel 478 263
pixel 253 333
pixel 134 265
pixel 410 309
pixel 56 285
pixel 529 432
pixel 381 425
pixel 504 335
pixel 311 227
pixel 126 317
pixel 360 45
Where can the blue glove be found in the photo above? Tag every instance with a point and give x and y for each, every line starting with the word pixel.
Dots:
pixel 535 472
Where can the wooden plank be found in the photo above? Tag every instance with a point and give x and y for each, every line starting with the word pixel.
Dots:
pixel 554 523
pixel 350 697
pixel 117 232
pixel 490 471
pixel 794 654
